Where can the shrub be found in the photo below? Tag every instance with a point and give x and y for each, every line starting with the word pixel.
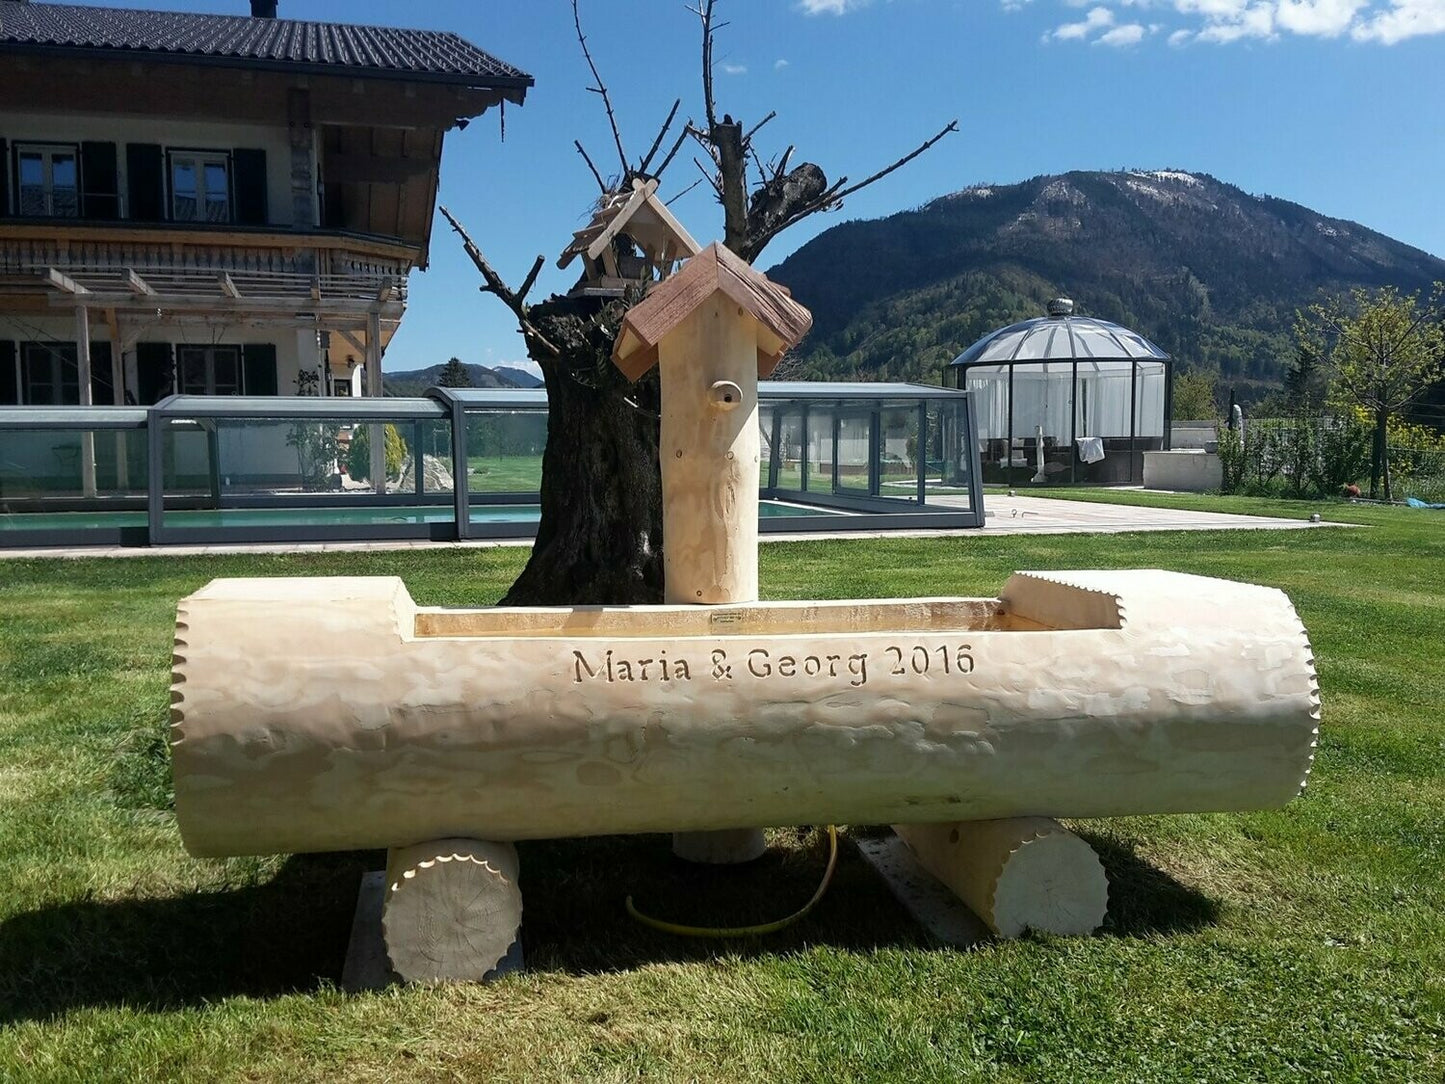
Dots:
pixel 358 459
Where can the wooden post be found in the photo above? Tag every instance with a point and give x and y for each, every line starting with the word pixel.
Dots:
pixel 376 432
pixel 709 453
pixel 1017 874
pixel 117 397
pixel 714 328
pixel 87 437
pixel 452 910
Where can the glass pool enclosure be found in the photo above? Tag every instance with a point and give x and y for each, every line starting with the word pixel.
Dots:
pixel 457 463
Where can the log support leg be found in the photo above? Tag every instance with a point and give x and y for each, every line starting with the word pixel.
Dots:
pixel 453 909
pixel 1016 874
pixel 730 847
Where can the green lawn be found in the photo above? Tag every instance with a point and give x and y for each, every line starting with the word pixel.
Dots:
pixel 1303 944
pixel 504 473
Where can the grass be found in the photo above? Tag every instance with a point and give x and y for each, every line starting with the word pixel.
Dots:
pixel 504 473
pixel 1301 944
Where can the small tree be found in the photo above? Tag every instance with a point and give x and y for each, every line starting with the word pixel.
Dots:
pixel 455 375
pixel 1384 349
pixel 1194 396
pixel 358 459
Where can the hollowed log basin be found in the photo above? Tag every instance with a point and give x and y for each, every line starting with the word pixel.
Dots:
pixel 335 714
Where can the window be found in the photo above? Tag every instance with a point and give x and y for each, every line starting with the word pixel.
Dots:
pixel 49 180
pixel 209 370
pixel 200 187
pixel 49 374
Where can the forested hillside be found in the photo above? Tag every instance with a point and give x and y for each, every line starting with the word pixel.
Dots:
pixel 1209 272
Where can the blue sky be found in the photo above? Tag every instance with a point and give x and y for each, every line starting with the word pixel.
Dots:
pixel 1336 104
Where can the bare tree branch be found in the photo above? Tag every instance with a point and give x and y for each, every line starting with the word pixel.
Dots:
pixel 704 140
pixel 783 163
pixel 749 137
pixel 709 177
pixel 836 193
pixel 642 166
pixel 757 164
pixel 494 285
pixel 681 139
pixel 684 192
pixel 528 282
pixel 705 14
pixel 600 88
pixel 600 182
pixel 951 126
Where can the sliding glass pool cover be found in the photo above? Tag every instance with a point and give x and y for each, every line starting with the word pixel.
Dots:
pixel 1065 399
pixel 454 464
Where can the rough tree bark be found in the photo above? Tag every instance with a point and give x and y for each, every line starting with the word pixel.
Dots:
pixel 599 540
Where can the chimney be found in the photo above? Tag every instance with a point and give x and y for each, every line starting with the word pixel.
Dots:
pixel 263 9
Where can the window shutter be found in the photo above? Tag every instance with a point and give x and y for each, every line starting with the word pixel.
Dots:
pixel 146 181
pixel 155 371
pixel 98 181
pixel 250 185
pixel 258 364
pixel 9 389
pixel 4 179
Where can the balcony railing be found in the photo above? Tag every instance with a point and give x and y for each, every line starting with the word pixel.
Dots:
pixel 200 271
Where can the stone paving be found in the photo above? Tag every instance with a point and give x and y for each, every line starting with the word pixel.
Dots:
pixel 1003 515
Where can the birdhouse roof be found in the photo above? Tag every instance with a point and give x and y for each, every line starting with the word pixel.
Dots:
pixel 638 213
pixel 782 322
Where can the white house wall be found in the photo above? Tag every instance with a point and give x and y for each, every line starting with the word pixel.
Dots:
pixel 170 134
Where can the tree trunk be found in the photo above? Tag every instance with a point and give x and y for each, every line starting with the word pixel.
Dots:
pixel 727 137
pixel 599 540
pixel 1380 452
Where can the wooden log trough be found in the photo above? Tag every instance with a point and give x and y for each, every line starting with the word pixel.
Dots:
pixel 323 714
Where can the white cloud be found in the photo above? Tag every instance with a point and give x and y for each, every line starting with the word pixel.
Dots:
pixel 1223 21
pixel 1404 19
pixel 1326 18
pixel 1097 19
pixel 735 69
pixel 779 64
pixel 829 7
pixel 1128 34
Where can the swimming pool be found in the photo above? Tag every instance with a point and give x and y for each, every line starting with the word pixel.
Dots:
pixel 313 516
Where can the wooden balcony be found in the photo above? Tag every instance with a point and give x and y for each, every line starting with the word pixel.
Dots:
pixel 189 270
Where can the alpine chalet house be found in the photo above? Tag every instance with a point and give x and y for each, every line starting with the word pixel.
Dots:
pixel 216 204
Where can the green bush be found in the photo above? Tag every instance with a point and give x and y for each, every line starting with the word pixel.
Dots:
pixel 358 458
pixel 1301 457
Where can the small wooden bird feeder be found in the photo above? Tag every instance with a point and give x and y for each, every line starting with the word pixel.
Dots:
pixel 715 327
pixel 632 239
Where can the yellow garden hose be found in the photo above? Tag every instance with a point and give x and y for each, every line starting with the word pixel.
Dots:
pixel 746 931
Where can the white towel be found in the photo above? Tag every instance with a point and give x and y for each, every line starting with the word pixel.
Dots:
pixel 1091 449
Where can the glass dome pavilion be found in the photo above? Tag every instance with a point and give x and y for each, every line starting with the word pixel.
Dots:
pixel 1065 399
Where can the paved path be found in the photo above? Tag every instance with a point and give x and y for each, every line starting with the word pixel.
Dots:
pixel 1048 515
pixel 1005 515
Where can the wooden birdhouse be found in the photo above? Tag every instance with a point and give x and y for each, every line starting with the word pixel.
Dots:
pixel 714 328
pixel 633 239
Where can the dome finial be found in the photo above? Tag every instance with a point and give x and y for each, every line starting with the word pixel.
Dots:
pixel 1061 306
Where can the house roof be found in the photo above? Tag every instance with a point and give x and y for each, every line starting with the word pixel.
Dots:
pixel 243 41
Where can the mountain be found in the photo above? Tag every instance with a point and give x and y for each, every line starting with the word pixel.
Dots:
pixel 416 381
pixel 519 377
pixel 1207 271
